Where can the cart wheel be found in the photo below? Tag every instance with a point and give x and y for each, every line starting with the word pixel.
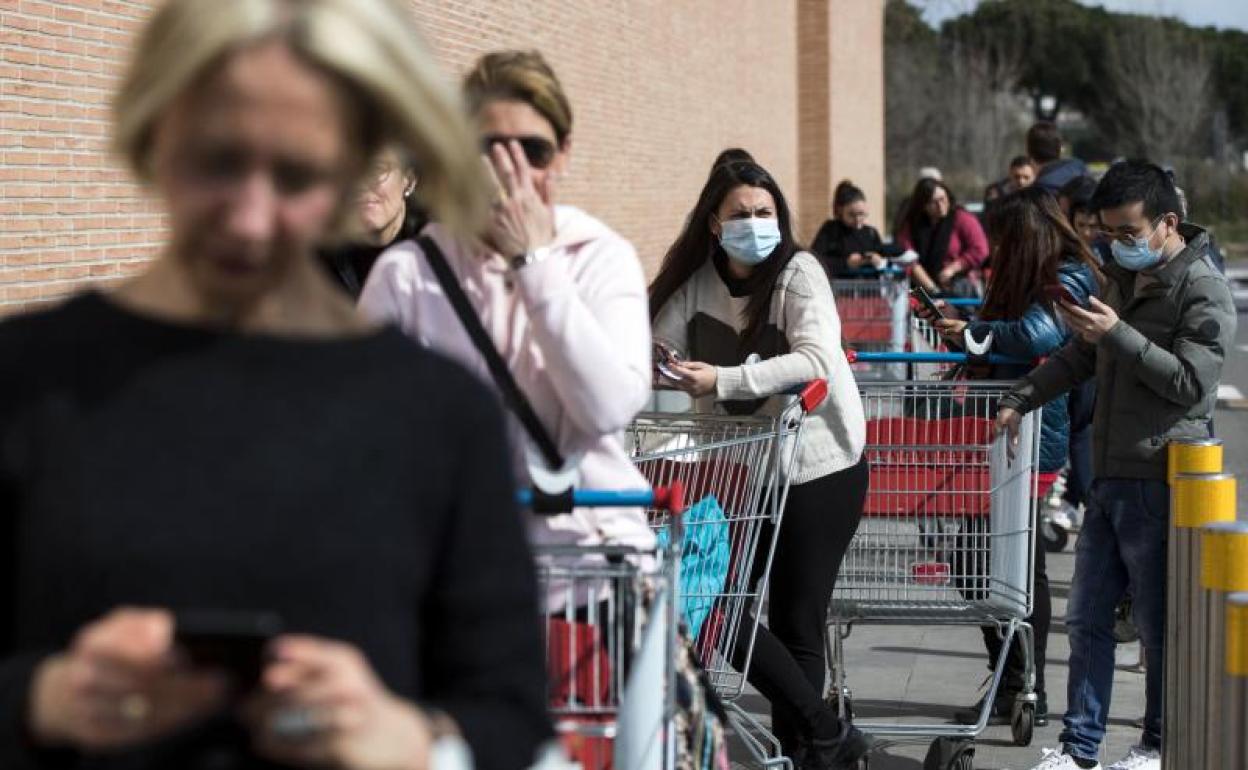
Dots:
pixel 1055 537
pixel 1023 723
pixel 965 760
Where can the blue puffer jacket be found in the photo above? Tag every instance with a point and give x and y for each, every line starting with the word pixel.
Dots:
pixel 1037 334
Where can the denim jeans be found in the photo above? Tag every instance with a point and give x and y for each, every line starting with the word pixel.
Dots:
pixel 1123 543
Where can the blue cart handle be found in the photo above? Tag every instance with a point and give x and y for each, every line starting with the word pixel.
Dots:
pixel 670 498
pixel 963 301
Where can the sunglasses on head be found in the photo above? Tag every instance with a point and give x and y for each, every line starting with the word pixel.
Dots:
pixel 538 151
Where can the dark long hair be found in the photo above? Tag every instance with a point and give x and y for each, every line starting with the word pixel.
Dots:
pixel 697 243
pixel 916 213
pixel 1029 238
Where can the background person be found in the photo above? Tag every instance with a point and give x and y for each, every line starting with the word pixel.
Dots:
pixel 1044 146
pixel 179 444
pixel 385 213
pixel 845 244
pixel 561 295
pixel 1033 248
pixel 950 241
pixel 736 284
pixel 1156 345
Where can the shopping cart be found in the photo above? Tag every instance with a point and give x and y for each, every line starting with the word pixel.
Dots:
pixel 609 613
pixel 925 339
pixel 738 466
pixel 947 538
pixel 874 309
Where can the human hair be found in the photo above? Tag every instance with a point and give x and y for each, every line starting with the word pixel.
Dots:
pixel 393 88
pixel 846 193
pixel 922 194
pixel 1079 192
pixel 1018 161
pixel 1029 238
pixel 1044 142
pixel 732 155
pixel 522 76
pixel 1134 181
pixel 696 243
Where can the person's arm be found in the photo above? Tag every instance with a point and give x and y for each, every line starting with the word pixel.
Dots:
pixel 813 330
pixel 1188 372
pixel 1066 369
pixel 482 660
pixel 596 344
pixel 974 242
pixel 903 238
pixel 671 325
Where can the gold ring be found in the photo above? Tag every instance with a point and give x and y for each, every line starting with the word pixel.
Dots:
pixel 134 707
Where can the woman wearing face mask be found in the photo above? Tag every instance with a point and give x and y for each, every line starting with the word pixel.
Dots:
pixel 950 242
pixel 753 316
pixel 386 212
pixel 846 244
pixel 224 436
pixel 1035 251
pixel 560 294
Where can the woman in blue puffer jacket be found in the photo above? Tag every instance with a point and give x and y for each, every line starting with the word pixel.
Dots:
pixel 1034 250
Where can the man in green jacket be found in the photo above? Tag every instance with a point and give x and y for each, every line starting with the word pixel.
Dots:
pixel 1155 345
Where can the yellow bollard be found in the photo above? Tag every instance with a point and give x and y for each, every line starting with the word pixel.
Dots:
pixel 1193 455
pixel 1234 712
pixel 1224 570
pixel 1196 499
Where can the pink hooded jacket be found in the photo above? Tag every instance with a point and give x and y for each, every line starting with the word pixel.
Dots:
pixel 574 329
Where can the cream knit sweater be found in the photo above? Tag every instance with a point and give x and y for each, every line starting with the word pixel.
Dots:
pixel 804 310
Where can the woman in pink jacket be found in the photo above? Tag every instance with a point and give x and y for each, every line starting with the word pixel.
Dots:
pixel 950 242
pixel 561 296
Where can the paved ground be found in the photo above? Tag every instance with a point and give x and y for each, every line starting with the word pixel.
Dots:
pixel 924 673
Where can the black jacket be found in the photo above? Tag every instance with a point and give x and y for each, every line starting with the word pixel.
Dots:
pixel 349 264
pixel 835 242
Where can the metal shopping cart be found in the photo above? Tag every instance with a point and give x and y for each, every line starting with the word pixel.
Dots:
pixel 738 466
pixel 947 537
pixel 610 633
pixel 875 315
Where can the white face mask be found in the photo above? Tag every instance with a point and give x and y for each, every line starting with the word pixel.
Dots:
pixel 750 241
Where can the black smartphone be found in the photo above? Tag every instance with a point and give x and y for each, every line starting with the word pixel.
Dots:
pixel 1058 293
pixel 234 641
pixel 920 294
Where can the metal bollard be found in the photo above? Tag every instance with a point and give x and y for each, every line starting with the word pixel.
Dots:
pixel 1193 455
pixel 1234 712
pixel 1196 499
pixel 1224 570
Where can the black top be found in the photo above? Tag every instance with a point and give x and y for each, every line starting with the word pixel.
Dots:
pixel 835 241
pixel 357 487
pixel 349 264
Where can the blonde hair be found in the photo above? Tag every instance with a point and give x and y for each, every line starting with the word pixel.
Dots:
pixel 370 46
pixel 521 76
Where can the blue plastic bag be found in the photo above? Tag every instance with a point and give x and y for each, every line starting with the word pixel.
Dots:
pixel 705 554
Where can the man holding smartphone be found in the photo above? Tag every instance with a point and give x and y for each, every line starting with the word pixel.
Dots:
pixel 1155 344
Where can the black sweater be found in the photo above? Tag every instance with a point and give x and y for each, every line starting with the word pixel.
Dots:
pixel 835 242
pixel 358 487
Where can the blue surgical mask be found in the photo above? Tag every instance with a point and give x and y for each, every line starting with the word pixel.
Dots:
pixel 750 241
pixel 1137 255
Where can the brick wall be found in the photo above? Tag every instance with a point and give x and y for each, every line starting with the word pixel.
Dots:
pixel 657 89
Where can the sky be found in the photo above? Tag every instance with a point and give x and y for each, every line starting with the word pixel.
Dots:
pixel 1200 13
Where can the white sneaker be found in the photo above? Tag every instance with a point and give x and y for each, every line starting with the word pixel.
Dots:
pixel 1056 759
pixel 1139 758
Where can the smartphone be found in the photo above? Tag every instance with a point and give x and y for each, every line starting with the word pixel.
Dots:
pixel 664 356
pixel 920 294
pixel 1059 293
pixel 231 640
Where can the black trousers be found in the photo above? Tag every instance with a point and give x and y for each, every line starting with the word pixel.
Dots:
pixel 820 519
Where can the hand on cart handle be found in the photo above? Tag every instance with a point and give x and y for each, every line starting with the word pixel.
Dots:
pixel 1008 420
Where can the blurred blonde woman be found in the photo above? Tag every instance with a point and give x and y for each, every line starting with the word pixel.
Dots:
pixel 223 437
pixel 560 295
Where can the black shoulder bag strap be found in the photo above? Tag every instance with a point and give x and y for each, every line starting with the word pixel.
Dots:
pixel 515 398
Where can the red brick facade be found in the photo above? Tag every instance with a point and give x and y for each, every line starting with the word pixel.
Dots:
pixel 657 89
